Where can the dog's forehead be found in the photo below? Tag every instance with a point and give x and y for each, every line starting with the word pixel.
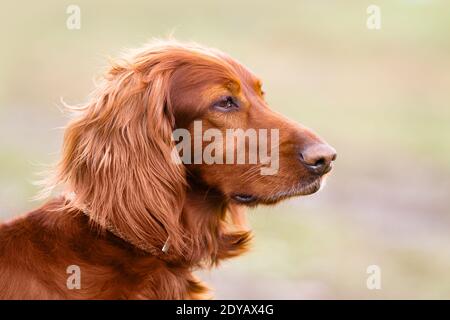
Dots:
pixel 212 68
pixel 235 70
pixel 245 76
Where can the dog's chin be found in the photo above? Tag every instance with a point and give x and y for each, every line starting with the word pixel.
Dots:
pixel 302 189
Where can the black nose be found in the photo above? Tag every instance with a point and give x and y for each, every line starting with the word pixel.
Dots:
pixel 317 158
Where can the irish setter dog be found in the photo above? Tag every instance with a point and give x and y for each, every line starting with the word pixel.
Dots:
pixel 130 220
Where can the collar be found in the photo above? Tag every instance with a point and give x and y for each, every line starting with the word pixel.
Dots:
pixel 143 246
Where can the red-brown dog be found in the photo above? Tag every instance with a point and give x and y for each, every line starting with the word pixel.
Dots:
pixel 133 223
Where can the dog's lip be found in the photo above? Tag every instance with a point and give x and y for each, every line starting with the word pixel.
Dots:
pixel 309 188
pixel 302 189
pixel 244 198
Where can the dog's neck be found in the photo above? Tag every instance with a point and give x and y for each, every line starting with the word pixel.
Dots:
pixel 217 227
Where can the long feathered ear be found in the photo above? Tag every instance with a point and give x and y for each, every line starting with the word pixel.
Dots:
pixel 117 156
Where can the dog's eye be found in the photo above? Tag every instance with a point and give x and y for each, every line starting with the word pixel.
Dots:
pixel 227 104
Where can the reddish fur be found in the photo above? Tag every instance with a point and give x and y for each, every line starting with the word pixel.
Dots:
pixel 116 160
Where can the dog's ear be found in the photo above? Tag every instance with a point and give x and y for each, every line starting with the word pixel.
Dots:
pixel 117 157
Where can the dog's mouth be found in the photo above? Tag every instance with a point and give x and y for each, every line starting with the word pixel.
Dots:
pixel 244 198
pixel 302 189
pixel 308 188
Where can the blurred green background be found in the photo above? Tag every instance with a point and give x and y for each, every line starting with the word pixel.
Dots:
pixel 380 97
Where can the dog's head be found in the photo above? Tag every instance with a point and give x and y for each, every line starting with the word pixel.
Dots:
pixel 169 116
pixel 238 146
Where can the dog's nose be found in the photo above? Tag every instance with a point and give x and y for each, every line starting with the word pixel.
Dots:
pixel 317 158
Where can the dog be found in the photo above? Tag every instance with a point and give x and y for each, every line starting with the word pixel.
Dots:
pixel 131 220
